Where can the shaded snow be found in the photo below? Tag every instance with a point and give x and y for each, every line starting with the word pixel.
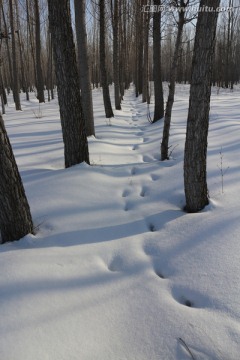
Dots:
pixel 117 270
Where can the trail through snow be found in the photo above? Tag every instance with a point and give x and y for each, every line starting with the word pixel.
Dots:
pixel 117 270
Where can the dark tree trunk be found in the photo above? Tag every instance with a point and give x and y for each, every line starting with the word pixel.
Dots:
pixel 104 80
pixel 29 16
pixel 2 92
pixel 171 93
pixel 157 67
pixel 139 40
pixel 72 119
pixel 24 82
pixel 15 216
pixel 85 82
pixel 145 70
pixel 136 62
pixel 40 82
pixel 115 22
pixel 196 191
pixel 8 49
pixel 15 84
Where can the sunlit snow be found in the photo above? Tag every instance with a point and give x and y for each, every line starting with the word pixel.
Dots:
pixel 117 270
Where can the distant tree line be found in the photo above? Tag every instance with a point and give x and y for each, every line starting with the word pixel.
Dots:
pixel 26 46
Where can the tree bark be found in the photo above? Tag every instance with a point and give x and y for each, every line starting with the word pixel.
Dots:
pixel 15 216
pixel 40 82
pixel 195 158
pixel 31 45
pixel 171 93
pixel 72 119
pixel 139 41
pixel 145 70
pixel 24 82
pixel 15 84
pixel 8 49
pixel 115 24
pixel 102 50
pixel 157 67
pixel 85 82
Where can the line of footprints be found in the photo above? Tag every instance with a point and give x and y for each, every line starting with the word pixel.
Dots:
pixel 144 191
pixel 184 296
pixel 118 262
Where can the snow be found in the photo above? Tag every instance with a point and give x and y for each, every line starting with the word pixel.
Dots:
pixel 117 270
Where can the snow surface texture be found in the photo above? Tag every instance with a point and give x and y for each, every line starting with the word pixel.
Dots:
pixel 117 270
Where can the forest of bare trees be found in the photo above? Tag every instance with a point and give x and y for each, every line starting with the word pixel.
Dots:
pixel 100 43
pixel 26 45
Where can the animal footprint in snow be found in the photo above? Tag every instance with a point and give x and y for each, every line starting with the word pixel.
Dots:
pixel 154 177
pixel 146 158
pixel 116 264
pixel 151 227
pixel 127 206
pixel 144 191
pixel 133 147
pixel 125 193
pixel 191 298
pixel 159 273
pixel 133 171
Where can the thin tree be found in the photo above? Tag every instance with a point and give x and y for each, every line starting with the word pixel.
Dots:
pixel 139 15
pixel 39 73
pixel 180 5
pixel 103 70
pixel 71 114
pixel 115 25
pixel 49 81
pixel 20 46
pixel 195 158
pixel 84 71
pixel 15 215
pixel 6 38
pixel 157 66
pixel 30 38
pixel 145 70
pixel 15 84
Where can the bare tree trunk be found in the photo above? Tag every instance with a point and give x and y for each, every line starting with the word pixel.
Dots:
pixel 15 216
pixel 115 24
pixel 72 120
pixel 2 90
pixel 139 40
pixel 95 52
pixel 136 46
pixel 31 38
pixel 173 74
pixel 24 82
pixel 40 82
pixel 8 50
pixel 145 70
pixel 196 191
pixel 157 67
pixel 49 68
pixel 123 58
pixel 14 60
pixel 104 80
pixel 85 83
pixel 23 77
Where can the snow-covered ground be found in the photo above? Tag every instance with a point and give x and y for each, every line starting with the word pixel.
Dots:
pixel 117 270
